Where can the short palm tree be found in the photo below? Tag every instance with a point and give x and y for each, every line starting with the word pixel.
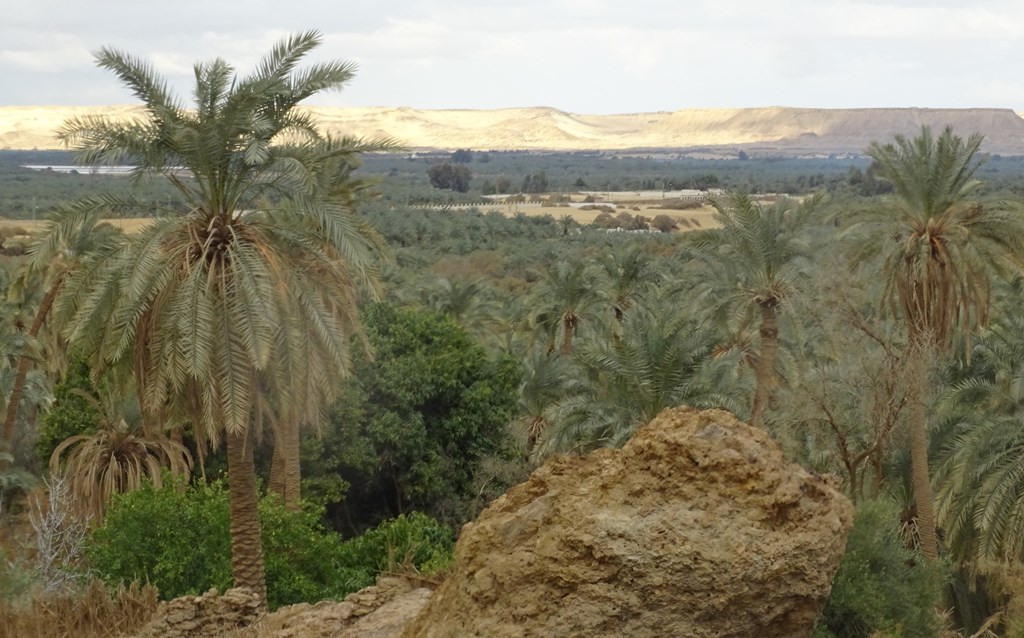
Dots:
pixel 629 273
pixel 546 379
pixel 566 297
pixel 938 247
pixel 754 265
pixel 661 360
pixel 242 307
pixel 117 458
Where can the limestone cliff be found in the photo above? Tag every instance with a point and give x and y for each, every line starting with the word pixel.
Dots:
pixel 768 131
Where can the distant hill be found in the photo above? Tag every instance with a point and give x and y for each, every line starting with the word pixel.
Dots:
pixel 761 131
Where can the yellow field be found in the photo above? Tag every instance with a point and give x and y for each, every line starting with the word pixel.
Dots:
pixel 130 224
pixel 703 217
pixel 690 219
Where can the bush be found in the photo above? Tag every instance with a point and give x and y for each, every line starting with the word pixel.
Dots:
pixel 178 540
pixel 882 588
pixel 415 542
pixel 70 413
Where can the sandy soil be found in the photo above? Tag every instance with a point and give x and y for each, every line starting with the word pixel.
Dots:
pixel 130 224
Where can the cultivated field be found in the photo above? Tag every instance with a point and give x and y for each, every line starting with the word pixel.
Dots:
pixel 130 224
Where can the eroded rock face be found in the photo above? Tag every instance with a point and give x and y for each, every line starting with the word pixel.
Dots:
pixel 211 614
pixel 380 611
pixel 698 527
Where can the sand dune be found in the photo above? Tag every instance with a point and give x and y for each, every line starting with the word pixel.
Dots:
pixel 777 130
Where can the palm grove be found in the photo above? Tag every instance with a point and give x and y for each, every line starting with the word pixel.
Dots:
pixel 390 361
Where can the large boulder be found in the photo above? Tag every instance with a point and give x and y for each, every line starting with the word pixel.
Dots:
pixel 697 527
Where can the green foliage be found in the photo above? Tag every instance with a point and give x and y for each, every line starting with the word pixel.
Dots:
pixel 882 588
pixel 415 422
pixel 415 541
pixel 448 176
pixel 71 413
pixel 178 540
pixel 535 183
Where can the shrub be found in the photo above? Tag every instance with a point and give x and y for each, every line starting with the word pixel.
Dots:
pixel 414 542
pixel 178 540
pixel 664 223
pixel 882 587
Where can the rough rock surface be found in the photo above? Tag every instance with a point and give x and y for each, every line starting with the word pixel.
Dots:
pixel 381 611
pixel 698 527
pixel 211 614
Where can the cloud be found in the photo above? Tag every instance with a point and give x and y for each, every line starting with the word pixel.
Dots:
pixel 580 55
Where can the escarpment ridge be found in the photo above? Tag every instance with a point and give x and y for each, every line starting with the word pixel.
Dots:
pixel 768 131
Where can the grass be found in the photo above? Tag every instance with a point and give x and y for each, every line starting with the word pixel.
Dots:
pixel 95 612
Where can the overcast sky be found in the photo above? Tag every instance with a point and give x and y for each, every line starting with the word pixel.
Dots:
pixel 582 56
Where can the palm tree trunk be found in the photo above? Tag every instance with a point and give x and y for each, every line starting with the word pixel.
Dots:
pixel 919 462
pixel 24 363
pixel 247 566
pixel 276 482
pixel 765 364
pixel 568 329
pixel 285 469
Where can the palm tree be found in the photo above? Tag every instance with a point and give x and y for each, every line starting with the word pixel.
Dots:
pixel 242 308
pixel 937 247
pixel 660 361
pixel 979 483
pixel 52 255
pixel 546 379
pixel 629 273
pixel 117 458
pixel 755 255
pixel 566 297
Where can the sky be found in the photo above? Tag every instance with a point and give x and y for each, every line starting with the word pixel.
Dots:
pixel 580 56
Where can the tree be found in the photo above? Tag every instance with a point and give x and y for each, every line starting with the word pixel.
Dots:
pixel 628 273
pixel 755 255
pixel 116 458
pixel 448 176
pixel 661 360
pixel 416 421
pixel 53 255
pixel 535 183
pixel 462 156
pixel 979 486
pixel 938 247
pixel 664 223
pixel 566 296
pixel 244 305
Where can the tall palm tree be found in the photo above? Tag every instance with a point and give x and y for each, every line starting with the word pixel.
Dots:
pixel 755 254
pixel 52 255
pixel 243 307
pixel 980 440
pixel 938 247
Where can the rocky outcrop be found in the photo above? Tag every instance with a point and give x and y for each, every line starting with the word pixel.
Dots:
pixel 211 614
pixel 698 527
pixel 380 611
